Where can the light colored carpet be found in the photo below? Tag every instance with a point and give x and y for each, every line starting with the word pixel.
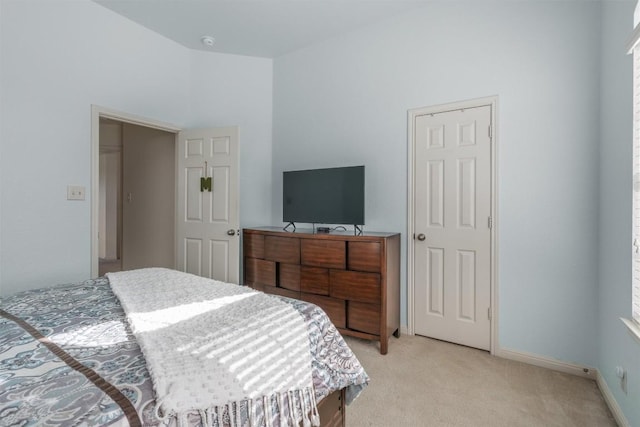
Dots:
pixel 425 382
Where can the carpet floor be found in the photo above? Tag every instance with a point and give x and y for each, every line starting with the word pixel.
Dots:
pixel 426 382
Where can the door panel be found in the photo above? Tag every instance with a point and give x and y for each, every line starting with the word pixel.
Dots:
pixel 452 208
pixel 193 195
pixel 219 207
pixel 466 269
pixel 219 259
pixel 435 183
pixel 435 281
pixel 210 218
pixel 193 256
pixel 466 193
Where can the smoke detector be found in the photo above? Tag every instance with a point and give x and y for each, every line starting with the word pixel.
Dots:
pixel 208 41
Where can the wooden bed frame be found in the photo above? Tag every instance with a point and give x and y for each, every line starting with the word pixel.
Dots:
pixel 332 410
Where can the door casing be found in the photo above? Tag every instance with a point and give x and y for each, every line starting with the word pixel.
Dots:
pixel 491 101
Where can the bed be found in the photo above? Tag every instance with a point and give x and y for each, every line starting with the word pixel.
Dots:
pixel 70 355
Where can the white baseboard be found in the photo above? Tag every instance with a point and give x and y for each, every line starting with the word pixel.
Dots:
pixel 569 368
pixel 404 330
pixel 611 401
pixel 546 362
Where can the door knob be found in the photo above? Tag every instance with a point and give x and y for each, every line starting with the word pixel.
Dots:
pixel 421 237
pixel 231 232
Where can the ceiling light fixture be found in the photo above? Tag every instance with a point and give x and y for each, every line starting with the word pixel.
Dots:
pixel 208 41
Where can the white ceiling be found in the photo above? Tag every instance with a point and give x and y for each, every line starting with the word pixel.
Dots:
pixel 267 28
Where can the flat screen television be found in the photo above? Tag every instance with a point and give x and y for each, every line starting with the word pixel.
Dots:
pixel 324 196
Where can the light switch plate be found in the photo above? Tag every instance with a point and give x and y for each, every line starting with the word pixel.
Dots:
pixel 75 192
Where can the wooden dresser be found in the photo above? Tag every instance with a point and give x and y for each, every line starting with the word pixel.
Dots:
pixel 354 279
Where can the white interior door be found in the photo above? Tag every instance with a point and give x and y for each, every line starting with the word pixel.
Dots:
pixel 452 242
pixel 207 222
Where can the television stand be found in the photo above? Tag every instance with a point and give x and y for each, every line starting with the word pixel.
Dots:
pixel 357 231
pixel 285 228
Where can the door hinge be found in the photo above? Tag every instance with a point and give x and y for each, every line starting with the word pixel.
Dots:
pixel 490 223
pixel 489 313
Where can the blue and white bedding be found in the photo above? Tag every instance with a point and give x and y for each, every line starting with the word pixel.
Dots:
pixel 81 365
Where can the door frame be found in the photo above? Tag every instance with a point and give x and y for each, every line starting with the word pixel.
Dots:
pixel 96 113
pixel 491 101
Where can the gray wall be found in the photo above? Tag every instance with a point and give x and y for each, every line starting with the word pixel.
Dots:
pixel 58 58
pixel 616 345
pixel 345 101
pixel 228 90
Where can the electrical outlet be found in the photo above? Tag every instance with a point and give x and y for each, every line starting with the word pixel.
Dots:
pixel 75 192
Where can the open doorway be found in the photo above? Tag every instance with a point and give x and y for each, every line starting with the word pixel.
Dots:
pixel 196 229
pixel 136 202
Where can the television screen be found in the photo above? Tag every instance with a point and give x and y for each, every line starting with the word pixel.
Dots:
pixel 324 196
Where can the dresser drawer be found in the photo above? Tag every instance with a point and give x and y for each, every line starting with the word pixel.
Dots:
pixel 324 253
pixel 259 271
pixel 314 280
pixel 289 276
pixel 363 317
pixel 335 308
pixel 355 286
pixel 253 245
pixel 364 256
pixel 282 249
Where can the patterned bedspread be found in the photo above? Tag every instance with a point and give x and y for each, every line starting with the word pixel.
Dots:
pixel 85 320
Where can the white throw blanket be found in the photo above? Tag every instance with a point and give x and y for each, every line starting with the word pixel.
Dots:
pixel 210 345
